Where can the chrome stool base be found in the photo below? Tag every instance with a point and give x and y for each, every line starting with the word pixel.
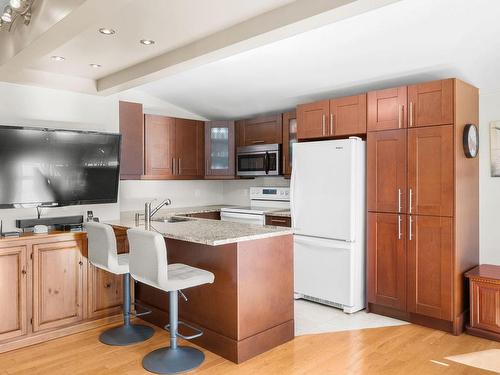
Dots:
pixel 173 361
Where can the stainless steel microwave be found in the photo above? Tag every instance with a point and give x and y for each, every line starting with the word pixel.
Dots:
pixel 258 160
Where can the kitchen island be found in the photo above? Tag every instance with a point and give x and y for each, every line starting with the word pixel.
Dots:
pixel 249 308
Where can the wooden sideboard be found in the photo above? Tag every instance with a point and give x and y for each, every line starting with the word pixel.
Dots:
pixel 48 289
pixel 484 285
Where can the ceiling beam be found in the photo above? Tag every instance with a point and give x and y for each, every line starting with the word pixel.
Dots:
pixel 289 20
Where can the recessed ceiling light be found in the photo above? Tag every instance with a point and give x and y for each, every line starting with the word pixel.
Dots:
pixel 147 42
pixel 57 58
pixel 95 65
pixel 16 4
pixel 106 31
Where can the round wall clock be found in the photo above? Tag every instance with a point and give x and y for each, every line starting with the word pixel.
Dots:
pixel 471 141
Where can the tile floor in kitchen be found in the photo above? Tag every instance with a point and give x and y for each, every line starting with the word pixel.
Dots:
pixel 311 317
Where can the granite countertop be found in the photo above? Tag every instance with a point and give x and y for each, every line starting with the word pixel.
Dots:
pixel 203 231
pixel 172 211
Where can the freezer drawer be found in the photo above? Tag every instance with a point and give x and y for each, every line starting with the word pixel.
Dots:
pixel 326 270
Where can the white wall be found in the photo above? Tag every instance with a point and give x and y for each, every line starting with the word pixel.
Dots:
pixel 489 110
pixel 34 106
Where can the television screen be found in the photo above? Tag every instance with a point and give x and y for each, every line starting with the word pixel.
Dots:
pixel 57 167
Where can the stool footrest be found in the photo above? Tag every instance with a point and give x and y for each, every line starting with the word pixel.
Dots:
pixel 196 335
pixel 145 312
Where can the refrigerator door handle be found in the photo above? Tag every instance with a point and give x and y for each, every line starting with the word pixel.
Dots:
pixel 399 200
pixel 399 227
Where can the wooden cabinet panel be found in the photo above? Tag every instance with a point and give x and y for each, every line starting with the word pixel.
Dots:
pixel 189 147
pixel 431 103
pixel 430 171
pixel 430 266
pixel 386 171
pixel 387 109
pixel 289 138
pixel 279 221
pixel 261 130
pixel 312 119
pixel 214 215
pixel 160 143
pixel 219 149
pixel 105 292
pixel 486 306
pixel 13 290
pixel 348 115
pixel 132 147
pixel 386 262
pixel 57 284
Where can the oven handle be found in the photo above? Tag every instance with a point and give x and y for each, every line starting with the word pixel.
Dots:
pixel 266 162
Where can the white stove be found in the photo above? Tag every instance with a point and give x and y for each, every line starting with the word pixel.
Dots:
pixel 263 200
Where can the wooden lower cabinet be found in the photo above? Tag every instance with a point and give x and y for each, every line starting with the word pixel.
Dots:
pixel 387 260
pixel 49 289
pixel 279 221
pixel 105 293
pixel 13 290
pixel 57 284
pixel 430 266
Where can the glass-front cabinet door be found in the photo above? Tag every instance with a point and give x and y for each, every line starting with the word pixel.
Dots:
pixel 219 149
pixel 289 138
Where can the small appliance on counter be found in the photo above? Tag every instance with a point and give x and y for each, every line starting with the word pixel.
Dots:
pixel 262 200
pixel 8 234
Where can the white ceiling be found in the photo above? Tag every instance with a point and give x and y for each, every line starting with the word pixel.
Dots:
pixel 403 42
pixel 170 24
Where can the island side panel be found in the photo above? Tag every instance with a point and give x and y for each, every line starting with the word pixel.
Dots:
pixel 265 295
pixel 211 307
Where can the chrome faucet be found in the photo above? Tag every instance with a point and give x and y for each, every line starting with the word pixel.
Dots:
pixel 150 212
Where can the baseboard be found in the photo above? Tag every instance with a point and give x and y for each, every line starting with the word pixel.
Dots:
pixel 482 333
pixel 37 338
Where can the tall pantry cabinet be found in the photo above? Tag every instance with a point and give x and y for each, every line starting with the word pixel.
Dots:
pixel 423 199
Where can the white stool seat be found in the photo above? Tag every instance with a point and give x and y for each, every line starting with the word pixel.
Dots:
pixel 182 276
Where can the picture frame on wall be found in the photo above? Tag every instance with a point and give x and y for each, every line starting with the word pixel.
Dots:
pixel 495 148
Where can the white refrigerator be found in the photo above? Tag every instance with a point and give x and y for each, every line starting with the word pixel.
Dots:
pixel 328 203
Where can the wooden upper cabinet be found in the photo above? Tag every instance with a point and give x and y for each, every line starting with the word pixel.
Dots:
pixel 386 262
pixel 430 171
pixel 430 266
pixel 431 103
pixel 105 292
pixel 386 171
pixel 57 284
pixel 289 138
pixel 219 149
pixel 189 148
pixel 159 145
pixel 13 290
pixel 132 147
pixel 388 109
pixel 347 115
pixel 261 130
pixel 312 120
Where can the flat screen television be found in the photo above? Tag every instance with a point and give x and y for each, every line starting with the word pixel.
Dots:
pixel 44 167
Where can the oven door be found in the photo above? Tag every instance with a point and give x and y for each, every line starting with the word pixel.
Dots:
pixel 261 163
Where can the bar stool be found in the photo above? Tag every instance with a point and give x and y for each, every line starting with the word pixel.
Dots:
pixel 103 254
pixel 148 264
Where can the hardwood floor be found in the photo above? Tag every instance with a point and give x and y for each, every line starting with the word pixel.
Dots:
pixel 406 349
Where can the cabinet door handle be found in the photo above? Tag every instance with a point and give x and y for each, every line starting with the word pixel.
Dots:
pixel 80 263
pixel 207 170
pixel 278 221
pixel 173 165
pixel 399 227
pixel 324 121
pixel 255 142
pixel 179 169
pixel 23 271
pixel 399 200
pixel 331 123
pixel 411 114
pixel 411 200
pixel 400 116
pixel 411 229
